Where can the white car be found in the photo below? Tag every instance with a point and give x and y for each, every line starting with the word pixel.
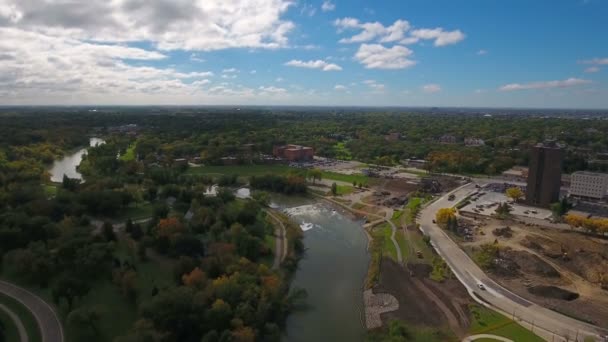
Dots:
pixel 481 286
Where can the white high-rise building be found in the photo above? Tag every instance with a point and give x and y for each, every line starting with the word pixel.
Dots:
pixel 589 184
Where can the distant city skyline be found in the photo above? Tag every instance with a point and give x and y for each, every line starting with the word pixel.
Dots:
pixel 443 53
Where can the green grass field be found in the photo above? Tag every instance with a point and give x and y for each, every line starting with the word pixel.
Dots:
pixel 241 170
pixel 50 190
pixel 129 153
pixel 486 321
pixel 383 233
pixel 345 190
pixel 140 211
pixel 28 320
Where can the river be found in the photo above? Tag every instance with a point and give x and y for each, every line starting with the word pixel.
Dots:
pixel 68 164
pixel 332 272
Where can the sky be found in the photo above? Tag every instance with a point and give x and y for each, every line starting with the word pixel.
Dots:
pixel 469 53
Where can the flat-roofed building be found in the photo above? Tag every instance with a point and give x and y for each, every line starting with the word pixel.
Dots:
pixel 591 185
pixel 293 152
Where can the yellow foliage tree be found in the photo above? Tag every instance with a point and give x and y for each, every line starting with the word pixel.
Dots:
pixel 574 220
pixel 515 193
pixel 196 278
pixel 444 215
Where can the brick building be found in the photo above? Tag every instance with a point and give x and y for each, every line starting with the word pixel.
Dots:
pixel 293 152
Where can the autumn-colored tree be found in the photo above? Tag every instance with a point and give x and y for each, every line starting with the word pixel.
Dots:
pixel 169 227
pixel 315 174
pixel 515 193
pixel 574 220
pixel 444 215
pixel 243 334
pixel 195 279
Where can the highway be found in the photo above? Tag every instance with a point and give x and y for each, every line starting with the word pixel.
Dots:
pixel 48 321
pixel 548 324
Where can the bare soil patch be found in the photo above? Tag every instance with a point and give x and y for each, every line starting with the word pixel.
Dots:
pixel 422 301
pixel 553 292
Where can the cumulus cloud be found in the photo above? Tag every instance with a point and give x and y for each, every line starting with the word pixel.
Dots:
pixel 316 64
pixel 187 25
pixel 399 31
pixel 372 30
pixel 328 6
pixel 339 87
pixel 230 71
pixel 376 56
pixel 375 86
pixel 431 88
pixel 272 90
pixel 441 37
pixel 570 82
pixel 482 52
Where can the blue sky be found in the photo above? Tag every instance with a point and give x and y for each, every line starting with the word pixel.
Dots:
pixel 494 53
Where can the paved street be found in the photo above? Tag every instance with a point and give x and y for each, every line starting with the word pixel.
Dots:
pixel 46 317
pixel 546 323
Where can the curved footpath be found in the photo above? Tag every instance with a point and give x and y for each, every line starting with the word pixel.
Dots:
pixel 48 321
pixel 280 241
pixel 487 336
pixel 548 324
pixel 20 328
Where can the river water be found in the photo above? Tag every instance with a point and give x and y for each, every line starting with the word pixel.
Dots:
pixel 68 164
pixel 332 271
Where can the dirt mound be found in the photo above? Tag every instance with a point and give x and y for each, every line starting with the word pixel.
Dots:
pixel 530 263
pixel 420 270
pixel 553 292
pixel 506 232
pixel 548 247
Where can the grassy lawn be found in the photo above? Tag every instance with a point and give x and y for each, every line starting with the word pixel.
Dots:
pixel 486 321
pixel 241 170
pixel 28 320
pixel 402 242
pixel 359 178
pixel 130 153
pixel 383 233
pixel 50 190
pixel 345 190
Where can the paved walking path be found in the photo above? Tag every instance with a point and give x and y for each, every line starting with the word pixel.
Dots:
pixel 48 321
pixel 22 333
pixel 480 336
pixel 280 250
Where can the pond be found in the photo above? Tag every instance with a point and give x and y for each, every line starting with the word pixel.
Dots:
pixel 67 164
pixel 332 272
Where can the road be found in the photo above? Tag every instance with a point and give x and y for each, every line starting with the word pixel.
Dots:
pixel 47 319
pixel 546 323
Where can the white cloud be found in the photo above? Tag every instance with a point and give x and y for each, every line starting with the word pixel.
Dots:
pixel 592 69
pixel 340 87
pixel 328 6
pixel 375 86
pixel 596 61
pixel 230 71
pixel 441 37
pixel 229 76
pixel 169 25
pixel 482 52
pixel 253 72
pixel 195 58
pixel 570 82
pixel 376 56
pixel 317 64
pixel 431 88
pixel 279 79
pixel 272 90
pixel 372 30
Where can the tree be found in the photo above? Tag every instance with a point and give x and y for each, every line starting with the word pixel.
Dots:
pixel 69 288
pixel 444 215
pixel 195 279
pixel 575 221
pixel 83 321
pixel 334 189
pixel 262 197
pixel 315 174
pixel 515 193
pixel 503 210
pixel 108 231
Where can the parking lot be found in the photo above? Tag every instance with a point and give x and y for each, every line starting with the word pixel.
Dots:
pixel 485 203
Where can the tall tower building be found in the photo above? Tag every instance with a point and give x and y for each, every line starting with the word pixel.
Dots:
pixel 545 173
